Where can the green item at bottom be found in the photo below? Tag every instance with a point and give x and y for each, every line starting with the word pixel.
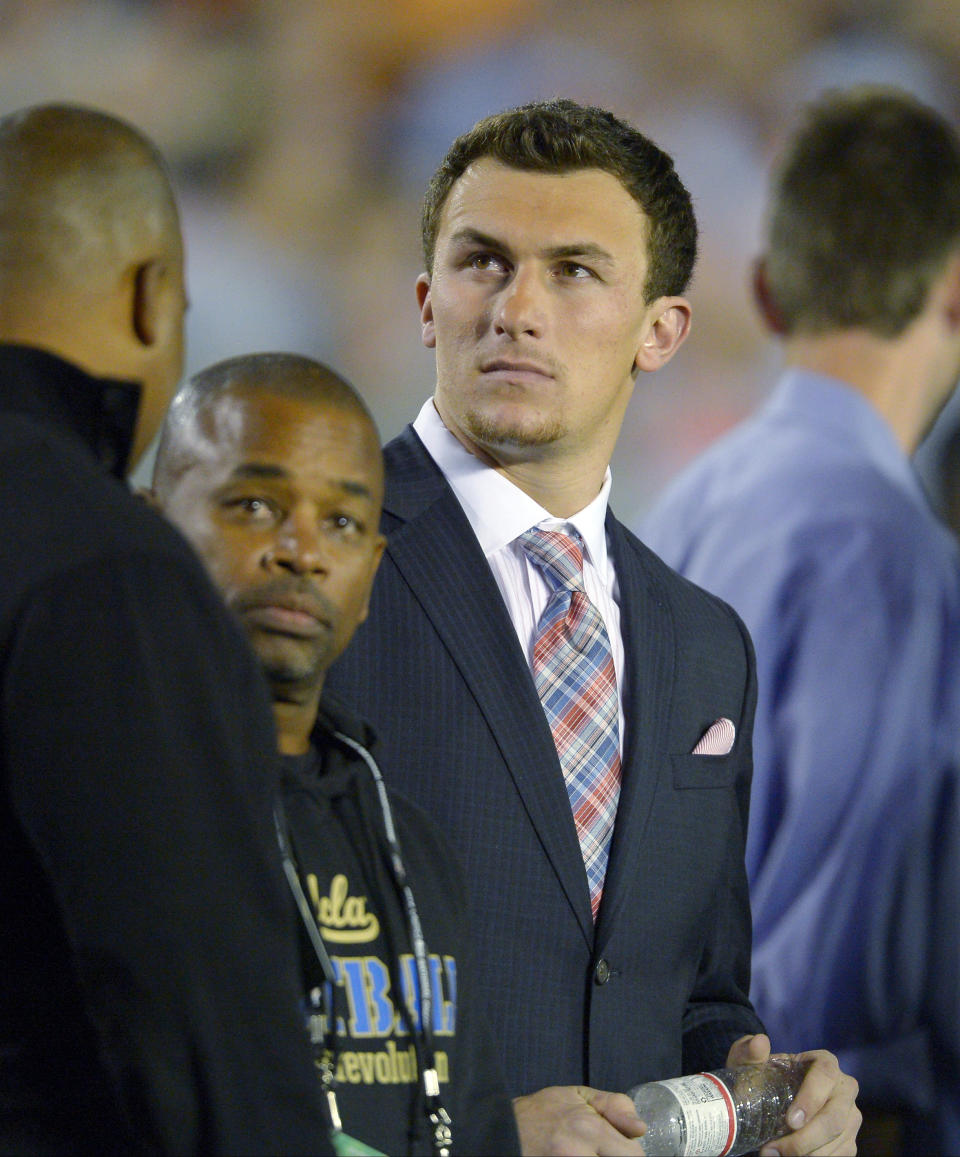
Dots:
pixel 347 1146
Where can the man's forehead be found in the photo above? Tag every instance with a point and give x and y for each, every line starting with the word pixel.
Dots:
pixel 575 205
pixel 259 434
pixel 243 412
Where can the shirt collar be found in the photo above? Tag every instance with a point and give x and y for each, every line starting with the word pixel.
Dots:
pixel 497 509
pixel 843 413
pixel 101 412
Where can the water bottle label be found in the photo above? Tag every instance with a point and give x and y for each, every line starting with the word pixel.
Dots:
pixel 710 1114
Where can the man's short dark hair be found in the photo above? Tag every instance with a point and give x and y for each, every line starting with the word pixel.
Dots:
pixel 864 212
pixel 560 136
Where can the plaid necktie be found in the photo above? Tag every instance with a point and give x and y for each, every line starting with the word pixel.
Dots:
pixel 575 678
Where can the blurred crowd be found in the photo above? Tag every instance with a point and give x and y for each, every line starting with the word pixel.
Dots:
pixel 302 133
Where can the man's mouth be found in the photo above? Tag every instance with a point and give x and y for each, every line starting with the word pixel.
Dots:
pixel 516 370
pixel 297 615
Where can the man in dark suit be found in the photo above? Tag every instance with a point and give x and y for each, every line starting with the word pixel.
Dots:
pixel 605 855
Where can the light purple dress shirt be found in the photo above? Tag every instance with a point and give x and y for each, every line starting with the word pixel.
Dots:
pixel 809 520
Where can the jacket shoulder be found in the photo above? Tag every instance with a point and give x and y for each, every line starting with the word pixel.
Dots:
pixel 688 602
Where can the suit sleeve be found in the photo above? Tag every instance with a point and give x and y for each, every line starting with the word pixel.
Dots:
pixel 719 1010
pixel 141 773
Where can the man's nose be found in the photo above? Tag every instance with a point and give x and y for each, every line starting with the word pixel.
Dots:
pixel 299 545
pixel 521 306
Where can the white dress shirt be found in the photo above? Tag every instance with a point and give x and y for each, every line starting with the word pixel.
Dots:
pixel 499 513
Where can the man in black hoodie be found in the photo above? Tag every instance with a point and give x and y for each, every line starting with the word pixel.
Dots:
pixel 147 942
pixel 271 466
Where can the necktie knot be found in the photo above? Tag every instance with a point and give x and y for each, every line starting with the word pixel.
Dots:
pixel 558 554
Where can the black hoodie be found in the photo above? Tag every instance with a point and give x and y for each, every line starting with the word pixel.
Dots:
pixel 339 842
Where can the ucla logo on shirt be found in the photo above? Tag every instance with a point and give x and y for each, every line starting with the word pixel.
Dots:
pixel 374 1010
pixel 378 1028
pixel 342 918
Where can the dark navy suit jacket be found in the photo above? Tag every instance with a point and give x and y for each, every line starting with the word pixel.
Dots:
pixel 659 986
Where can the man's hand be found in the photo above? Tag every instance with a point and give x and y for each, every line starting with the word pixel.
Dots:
pixel 824 1113
pixel 574 1121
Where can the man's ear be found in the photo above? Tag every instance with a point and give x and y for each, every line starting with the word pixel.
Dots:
pixel 428 334
pixel 766 304
pixel 666 335
pixel 951 292
pixel 147 300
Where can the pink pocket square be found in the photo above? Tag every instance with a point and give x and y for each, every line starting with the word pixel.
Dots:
pixel 717 739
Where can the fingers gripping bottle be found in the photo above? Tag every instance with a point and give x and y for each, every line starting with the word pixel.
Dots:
pixel 720 1114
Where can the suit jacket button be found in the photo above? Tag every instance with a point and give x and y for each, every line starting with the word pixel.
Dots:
pixel 601 974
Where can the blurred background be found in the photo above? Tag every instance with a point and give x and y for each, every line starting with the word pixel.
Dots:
pixel 301 134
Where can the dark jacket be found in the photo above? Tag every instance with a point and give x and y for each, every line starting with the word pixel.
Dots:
pixel 147 944
pixel 340 844
pixel 659 985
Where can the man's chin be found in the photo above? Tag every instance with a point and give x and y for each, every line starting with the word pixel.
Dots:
pixel 502 431
pixel 291 672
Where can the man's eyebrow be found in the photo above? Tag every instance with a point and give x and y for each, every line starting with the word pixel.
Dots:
pixel 259 470
pixel 470 236
pixel 351 486
pixel 567 252
pixel 588 249
pixel 272 472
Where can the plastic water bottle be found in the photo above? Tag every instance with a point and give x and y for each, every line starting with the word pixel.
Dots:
pixel 720 1114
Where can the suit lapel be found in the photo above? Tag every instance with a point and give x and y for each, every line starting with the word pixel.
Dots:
pixel 480 638
pixel 648 639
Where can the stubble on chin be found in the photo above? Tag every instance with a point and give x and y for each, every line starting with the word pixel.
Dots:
pixel 487 430
pixel 288 670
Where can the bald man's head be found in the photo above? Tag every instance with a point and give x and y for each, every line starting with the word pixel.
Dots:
pixel 81 193
pixel 91 257
pixel 191 424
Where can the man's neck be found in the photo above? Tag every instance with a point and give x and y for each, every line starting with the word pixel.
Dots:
pixel 295 718
pixel 563 490
pixel 562 483
pixel 898 376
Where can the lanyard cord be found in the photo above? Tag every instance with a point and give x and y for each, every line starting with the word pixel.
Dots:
pixel 326 1060
pixel 437 1115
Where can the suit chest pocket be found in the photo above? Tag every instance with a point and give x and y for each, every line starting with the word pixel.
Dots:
pixel 705 771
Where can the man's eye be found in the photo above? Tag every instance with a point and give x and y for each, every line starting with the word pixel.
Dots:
pixel 252 508
pixel 483 262
pixel 345 523
pixel 574 269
